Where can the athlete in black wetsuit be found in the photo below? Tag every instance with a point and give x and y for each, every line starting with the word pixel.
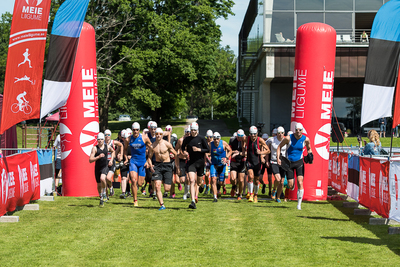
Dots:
pixel 195 146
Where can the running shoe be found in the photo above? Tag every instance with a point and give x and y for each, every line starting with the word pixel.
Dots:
pixel 165 194
pixel 192 205
pixel 144 193
pixel 248 195
pixel 135 203
pixel 180 187
pixel 251 198
pixel 215 200
pixel 278 200
pixel 172 196
pixel 101 202
pixel 232 193
pixel 255 199
pixel 162 207
pixel 128 194
pixel 239 198
pixel 201 189
pixel 224 192
pixel 207 190
pixel 122 196
pixel 196 200
pixel 273 196
pixel 112 192
pixel 154 196
pixel 263 188
pixel 299 207
pixel 184 197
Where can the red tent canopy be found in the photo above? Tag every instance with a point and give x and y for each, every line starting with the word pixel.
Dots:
pixel 54 117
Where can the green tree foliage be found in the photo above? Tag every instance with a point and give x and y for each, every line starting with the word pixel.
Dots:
pixel 5 26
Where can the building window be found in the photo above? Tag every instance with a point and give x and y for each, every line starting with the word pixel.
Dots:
pixel 366 5
pixel 342 22
pixel 309 4
pixel 283 5
pixel 339 5
pixel 306 17
pixel 282 22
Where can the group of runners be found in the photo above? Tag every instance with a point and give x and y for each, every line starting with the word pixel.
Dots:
pixel 198 164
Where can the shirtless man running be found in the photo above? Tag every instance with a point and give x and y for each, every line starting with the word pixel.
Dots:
pixel 162 165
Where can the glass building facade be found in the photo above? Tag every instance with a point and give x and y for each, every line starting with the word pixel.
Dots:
pixel 266 56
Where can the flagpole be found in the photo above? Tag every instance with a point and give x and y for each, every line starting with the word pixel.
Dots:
pixel 391 143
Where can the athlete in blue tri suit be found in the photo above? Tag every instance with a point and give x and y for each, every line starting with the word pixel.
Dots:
pixel 296 142
pixel 220 153
pixel 137 143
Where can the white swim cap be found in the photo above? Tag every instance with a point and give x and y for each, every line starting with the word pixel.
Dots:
pixel 123 133
pixel 216 135
pixel 187 129
pixel 174 135
pixel 253 130
pixel 136 125
pixel 275 131
pixel 281 129
pixel 299 126
pixel 240 133
pixel 168 128
pixel 153 124
pixel 234 134
pixel 100 136
pixel 264 136
pixel 159 130
pixel 149 124
pixel 209 133
pixel 194 126
pixel 107 132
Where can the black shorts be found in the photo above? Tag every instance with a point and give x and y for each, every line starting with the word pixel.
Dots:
pixel 99 171
pixel 238 167
pixel 297 166
pixel 124 170
pixel 163 172
pixel 264 167
pixel 112 168
pixel 277 169
pixel 182 167
pixel 256 168
pixel 149 176
pixel 197 167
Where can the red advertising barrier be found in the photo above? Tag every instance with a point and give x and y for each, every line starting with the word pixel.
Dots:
pixel 374 185
pixel 312 101
pixel 339 172
pixel 79 121
pixel 20 180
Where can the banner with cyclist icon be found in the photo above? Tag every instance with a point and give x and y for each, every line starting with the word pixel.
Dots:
pixel 24 70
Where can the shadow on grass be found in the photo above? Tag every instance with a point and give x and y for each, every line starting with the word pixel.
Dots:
pixel 324 218
pixel 88 206
pixel 380 231
pixel 272 207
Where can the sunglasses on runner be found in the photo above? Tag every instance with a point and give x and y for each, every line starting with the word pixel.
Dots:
pixel 159 134
pixel 280 132
pixel 107 135
pixel 253 134
pixel 299 130
pixel 135 130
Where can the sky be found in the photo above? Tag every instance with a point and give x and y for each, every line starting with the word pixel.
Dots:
pixel 230 28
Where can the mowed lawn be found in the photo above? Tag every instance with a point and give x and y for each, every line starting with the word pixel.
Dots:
pixel 76 232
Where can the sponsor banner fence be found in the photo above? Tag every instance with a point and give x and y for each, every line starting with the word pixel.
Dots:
pixel 394 172
pixel 339 171
pixel 20 180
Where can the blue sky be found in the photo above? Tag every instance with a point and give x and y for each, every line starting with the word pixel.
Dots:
pixel 230 28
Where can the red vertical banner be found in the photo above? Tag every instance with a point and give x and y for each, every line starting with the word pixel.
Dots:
pixel 312 101
pixel 24 70
pixel 396 112
pixel 79 120
pixel 374 185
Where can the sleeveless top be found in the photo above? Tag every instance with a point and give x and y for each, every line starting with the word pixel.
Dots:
pixel 274 146
pixel 217 153
pixel 138 150
pixel 252 147
pixel 111 144
pixel 295 150
pixel 101 162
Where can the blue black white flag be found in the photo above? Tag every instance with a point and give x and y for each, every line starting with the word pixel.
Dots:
pixel 382 63
pixel 62 50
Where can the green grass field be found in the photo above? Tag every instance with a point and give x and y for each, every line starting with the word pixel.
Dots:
pixel 76 232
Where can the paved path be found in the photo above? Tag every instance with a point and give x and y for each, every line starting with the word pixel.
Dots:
pixel 214 125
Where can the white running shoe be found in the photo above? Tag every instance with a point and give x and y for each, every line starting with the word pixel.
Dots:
pixel 184 197
pixel 299 207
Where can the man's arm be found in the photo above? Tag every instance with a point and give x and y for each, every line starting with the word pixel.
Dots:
pixel 264 148
pixel 308 145
pixel 120 149
pixel 150 155
pixel 171 149
pixel 110 149
pixel 228 149
pixel 284 142
pixel 92 158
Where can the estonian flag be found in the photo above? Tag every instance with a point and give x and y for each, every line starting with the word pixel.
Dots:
pixel 382 63
pixel 62 50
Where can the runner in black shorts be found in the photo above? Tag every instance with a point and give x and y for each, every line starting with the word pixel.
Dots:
pixel 255 147
pixel 162 165
pixel 99 156
pixel 181 161
pixel 238 166
pixel 195 146
pixel 296 143
pixel 209 137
